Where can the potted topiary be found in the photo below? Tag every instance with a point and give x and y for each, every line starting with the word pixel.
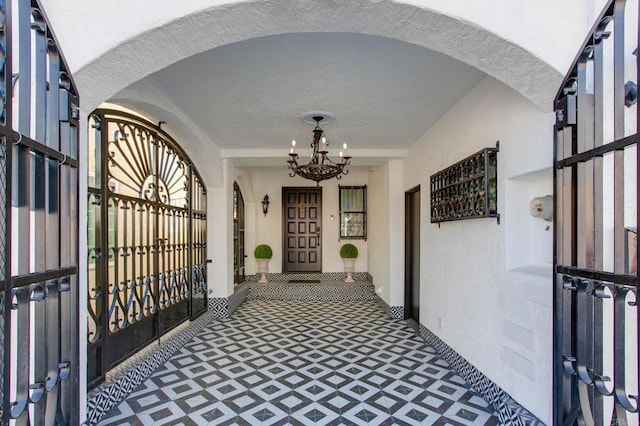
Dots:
pixel 263 254
pixel 349 253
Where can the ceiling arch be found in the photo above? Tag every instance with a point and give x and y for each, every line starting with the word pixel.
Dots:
pixel 185 36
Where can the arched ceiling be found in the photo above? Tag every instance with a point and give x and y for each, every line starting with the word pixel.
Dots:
pixel 248 96
pixel 388 68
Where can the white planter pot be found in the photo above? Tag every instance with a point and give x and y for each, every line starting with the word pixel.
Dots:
pixel 263 268
pixel 349 268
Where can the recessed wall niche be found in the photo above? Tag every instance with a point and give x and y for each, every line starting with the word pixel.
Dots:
pixel 529 239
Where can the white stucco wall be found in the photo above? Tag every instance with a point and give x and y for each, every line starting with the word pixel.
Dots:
pixel 220 235
pixel 106 26
pixel 500 320
pixel 386 241
pixel 396 234
pixel 261 229
pixel 117 49
pixel 378 218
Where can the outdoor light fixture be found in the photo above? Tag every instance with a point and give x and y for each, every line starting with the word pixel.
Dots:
pixel 265 204
pixel 320 167
pixel 542 207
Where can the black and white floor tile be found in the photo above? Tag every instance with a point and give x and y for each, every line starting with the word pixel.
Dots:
pixel 324 291
pixel 303 363
pixel 305 276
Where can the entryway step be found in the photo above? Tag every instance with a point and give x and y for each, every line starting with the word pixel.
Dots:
pixel 323 291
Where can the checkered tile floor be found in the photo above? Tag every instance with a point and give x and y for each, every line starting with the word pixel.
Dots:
pixel 304 363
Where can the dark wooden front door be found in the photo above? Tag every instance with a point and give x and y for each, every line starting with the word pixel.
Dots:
pixel 302 213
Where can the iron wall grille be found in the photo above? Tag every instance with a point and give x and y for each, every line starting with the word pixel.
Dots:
pixel 38 222
pixel 596 187
pixel 468 189
pixel 147 238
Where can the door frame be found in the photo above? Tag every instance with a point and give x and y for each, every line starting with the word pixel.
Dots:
pixel 318 189
pixel 408 263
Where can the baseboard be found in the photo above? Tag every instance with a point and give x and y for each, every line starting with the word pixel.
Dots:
pixel 111 393
pixel 509 411
pixel 393 312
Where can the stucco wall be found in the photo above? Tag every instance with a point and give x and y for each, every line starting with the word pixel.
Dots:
pixel 386 242
pixel 498 319
pixel 379 221
pixel 220 236
pixel 114 27
pixel 118 48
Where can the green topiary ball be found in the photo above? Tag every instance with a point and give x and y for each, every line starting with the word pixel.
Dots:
pixel 263 251
pixel 349 251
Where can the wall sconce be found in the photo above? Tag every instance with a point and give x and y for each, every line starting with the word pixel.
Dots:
pixel 542 207
pixel 265 204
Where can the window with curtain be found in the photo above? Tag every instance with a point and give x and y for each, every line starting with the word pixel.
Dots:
pixel 353 212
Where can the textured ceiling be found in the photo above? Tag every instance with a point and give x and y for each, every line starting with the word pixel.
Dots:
pixel 384 93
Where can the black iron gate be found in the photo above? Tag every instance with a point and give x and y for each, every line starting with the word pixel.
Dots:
pixel 38 222
pixel 146 238
pixel 238 235
pixel 596 181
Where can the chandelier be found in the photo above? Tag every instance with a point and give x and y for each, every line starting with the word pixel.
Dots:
pixel 320 166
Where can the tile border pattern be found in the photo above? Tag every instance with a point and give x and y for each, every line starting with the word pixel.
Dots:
pixel 238 297
pixel 393 312
pixel 110 394
pixel 223 307
pixel 145 352
pixel 322 276
pixel 317 293
pixel 509 411
pixel 219 306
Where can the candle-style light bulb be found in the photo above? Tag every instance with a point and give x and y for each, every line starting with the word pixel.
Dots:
pixel 341 157
pixel 293 147
pixel 344 147
pixel 323 144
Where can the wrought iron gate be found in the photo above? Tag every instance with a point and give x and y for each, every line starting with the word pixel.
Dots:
pixel 596 181
pixel 38 222
pixel 238 235
pixel 146 238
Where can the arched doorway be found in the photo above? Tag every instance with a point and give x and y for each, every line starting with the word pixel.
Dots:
pixel 146 237
pixel 238 235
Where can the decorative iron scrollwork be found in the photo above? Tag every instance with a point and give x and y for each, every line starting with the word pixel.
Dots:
pixel 590 346
pixel 147 234
pixel 466 190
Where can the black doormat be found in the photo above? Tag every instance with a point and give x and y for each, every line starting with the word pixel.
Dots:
pixel 304 281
